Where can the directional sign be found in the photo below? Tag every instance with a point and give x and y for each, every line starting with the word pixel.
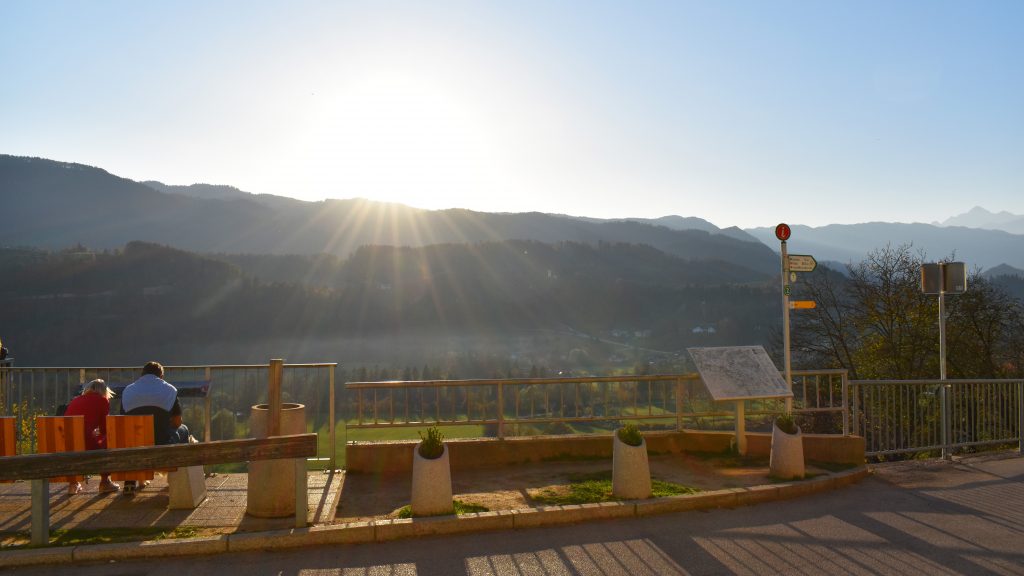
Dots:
pixel 802 304
pixel 802 263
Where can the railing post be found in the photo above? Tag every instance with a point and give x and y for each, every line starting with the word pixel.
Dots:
pixel 1020 417
pixel 947 452
pixel 40 512
pixel 276 368
pixel 855 415
pixel 501 411
pixel 332 431
pixel 207 407
pixel 846 407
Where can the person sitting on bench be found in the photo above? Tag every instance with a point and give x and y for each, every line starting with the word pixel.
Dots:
pixel 151 394
pixel 154 396
pixel 93 404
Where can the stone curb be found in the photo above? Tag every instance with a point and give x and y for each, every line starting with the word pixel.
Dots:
pixel 151 549
pixel 394 529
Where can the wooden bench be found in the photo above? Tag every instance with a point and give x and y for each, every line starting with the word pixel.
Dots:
pixel 39 467
pixel 130 432
pixel 8 440
pixel 60 434
pixel 187 486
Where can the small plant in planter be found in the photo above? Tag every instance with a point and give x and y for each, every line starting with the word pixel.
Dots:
pixel 631 473
pixel 787 454
pixel 431 476
pixel 630 434
pixel 431 445
pixel 787 423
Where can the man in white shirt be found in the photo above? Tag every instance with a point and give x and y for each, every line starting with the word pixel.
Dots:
pixel 151 394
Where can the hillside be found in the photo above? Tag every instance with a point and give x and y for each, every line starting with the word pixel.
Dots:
pixel 148 300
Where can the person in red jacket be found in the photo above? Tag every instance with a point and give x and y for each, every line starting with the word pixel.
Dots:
pixel 94 404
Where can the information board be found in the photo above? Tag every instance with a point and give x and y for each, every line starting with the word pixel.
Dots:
pixel 739 373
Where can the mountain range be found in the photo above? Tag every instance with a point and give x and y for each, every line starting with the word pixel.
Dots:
pixel 844 243
pixel 53 205
pixel 56 204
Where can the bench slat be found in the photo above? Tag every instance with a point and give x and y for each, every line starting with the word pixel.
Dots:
pixel 33 466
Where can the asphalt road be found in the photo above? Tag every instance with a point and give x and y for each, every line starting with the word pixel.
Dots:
pixel 935 518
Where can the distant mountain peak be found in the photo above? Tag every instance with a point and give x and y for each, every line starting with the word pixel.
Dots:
pixel 1003 270
pixel 980 217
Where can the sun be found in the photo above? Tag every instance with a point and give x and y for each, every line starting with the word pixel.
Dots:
pixel 402 137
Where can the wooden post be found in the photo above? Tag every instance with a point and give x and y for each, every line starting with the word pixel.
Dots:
pixel 274 397
pixel 501 411
pixel 741 429
pixel 679 405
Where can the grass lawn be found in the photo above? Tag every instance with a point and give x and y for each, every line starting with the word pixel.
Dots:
pixel 597 487
pixel 459 506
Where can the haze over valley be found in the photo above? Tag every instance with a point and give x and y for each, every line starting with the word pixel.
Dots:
pixel 102 267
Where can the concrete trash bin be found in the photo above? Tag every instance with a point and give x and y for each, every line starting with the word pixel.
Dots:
pixel 271 489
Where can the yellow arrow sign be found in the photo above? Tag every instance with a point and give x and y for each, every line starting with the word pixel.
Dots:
pixel 802 304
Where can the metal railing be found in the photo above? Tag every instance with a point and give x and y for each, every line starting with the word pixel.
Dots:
pixel 905 416
pixel 529 406
pixel 26 392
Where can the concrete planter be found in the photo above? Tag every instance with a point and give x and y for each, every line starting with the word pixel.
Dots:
pixel 271 489
pixel 787 455
pixel 631 474
pixel 431 484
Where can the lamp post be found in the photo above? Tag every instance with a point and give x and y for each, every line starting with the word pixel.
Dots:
pixel 944 278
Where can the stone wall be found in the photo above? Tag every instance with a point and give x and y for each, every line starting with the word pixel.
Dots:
pixel 391 457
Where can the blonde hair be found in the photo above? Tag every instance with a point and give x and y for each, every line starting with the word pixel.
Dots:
pixel 98 386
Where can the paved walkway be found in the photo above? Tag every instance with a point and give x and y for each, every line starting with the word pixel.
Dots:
pixel 965 517
pixel 224 506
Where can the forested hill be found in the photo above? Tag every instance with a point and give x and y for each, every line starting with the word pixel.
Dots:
pixel 53 205
pixel 82 307
pixel 519 263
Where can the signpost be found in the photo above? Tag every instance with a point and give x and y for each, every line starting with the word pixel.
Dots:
pixel 783 232
pixel 791 264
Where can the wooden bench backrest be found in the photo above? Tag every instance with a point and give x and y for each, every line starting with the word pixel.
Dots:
pixel 8 442
pixel 60 434
pixel 31 466
pixel 130 432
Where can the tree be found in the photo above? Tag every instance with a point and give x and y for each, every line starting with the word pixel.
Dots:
pixel 878 324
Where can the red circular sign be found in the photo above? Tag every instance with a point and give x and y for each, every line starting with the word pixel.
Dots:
pixel 782 232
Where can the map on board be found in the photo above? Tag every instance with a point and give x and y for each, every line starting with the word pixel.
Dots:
pixel 739 373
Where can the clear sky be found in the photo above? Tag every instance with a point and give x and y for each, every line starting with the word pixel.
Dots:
pixel 742 113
